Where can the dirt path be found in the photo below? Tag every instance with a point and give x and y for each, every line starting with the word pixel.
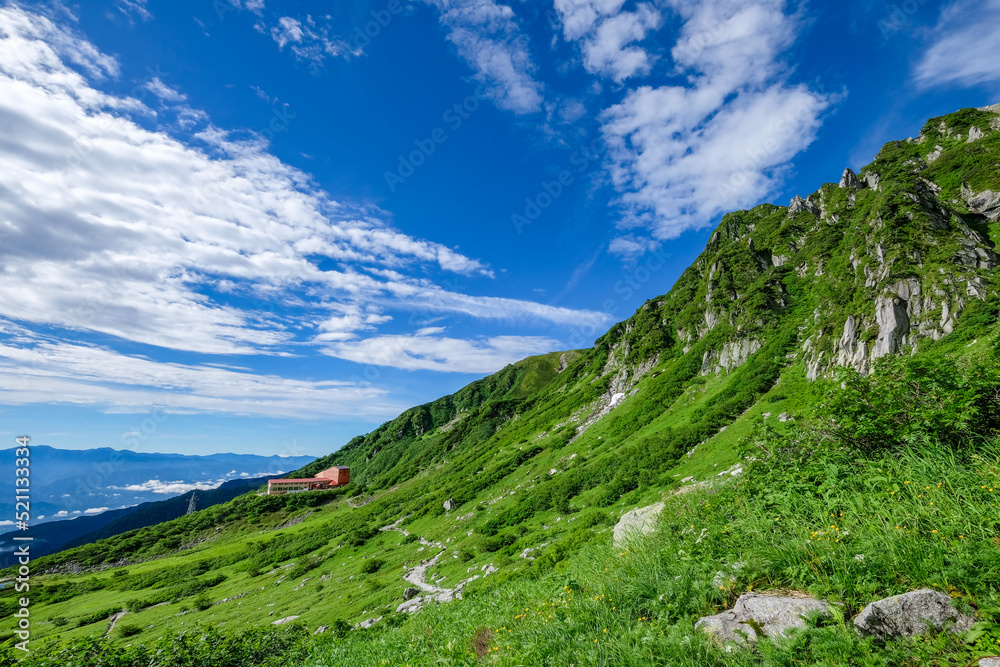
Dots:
pixel 418 577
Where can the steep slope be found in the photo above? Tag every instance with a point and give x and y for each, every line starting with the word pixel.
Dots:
pixel 519 470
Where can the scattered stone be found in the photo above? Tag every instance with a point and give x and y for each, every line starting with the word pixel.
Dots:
pixel 410 606
pixel 772 616
pixel 321 629
pixel 909 614
pixel 640 521
pixel 364 625
pixel 282 621
pixel 411 593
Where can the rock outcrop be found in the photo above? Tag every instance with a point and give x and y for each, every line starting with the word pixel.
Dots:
pixel 735 353
pixel 910 614
pixel 641 521
pixel 985 203
pixel 851 350
pixel 849 180
pixel 756 615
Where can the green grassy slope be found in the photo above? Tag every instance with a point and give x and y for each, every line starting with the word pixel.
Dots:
pixel 547 453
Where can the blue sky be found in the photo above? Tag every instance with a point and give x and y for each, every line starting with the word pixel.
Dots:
pixel 266 226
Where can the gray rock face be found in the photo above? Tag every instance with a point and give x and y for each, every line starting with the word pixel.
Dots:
pixel 910 614
pixel 798 204
pixel 893 323
pixel 975 134
pixel 849 180
pixel 984 203
pixel 411 593
pixel 871 179
pixel 989 662
pixel 774 616
pixel 736 353
pixel 851 351
pixel 449 505
pixel 641 521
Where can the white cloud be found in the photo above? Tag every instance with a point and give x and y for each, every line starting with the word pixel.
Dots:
pixel 682 155
pixel 61 513
pixel 54 372
pixel 427 350
pixel 488 38
pixel 310 40
pixel 112 228
pixel 6 522
pixel 163 91
pixel 288 30
pixel 965 46
pixel 608 35
pixel 116 229
pixel 168 488
pixel 134 8
pixel 96 510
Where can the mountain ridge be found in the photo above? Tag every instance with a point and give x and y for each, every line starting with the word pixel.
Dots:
pixel 519 471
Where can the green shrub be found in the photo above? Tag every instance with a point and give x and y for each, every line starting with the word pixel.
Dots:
pixel 372 565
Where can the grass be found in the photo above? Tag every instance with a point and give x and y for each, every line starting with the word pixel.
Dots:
pixel 811 516
pixel 512 452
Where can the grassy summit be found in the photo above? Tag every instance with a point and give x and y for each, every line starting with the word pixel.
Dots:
pixel 864 316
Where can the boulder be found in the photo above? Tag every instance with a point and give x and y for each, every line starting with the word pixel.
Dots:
pixel 364 625
pixel 773 616
pixel 910 614
pixel 282 621
pixel 449 505
pixel 640 521
pixel 411 606
pixel 411 593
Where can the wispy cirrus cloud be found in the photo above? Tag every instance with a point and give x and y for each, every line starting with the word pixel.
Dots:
pixel 680 155
pixel 116 229
pixel 134 8
pixel 36 369
pixel 964 47
pixel 429 350
pixel 490 40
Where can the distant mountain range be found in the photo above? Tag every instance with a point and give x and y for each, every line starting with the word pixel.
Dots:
pixel 55 536
pixel 71 483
